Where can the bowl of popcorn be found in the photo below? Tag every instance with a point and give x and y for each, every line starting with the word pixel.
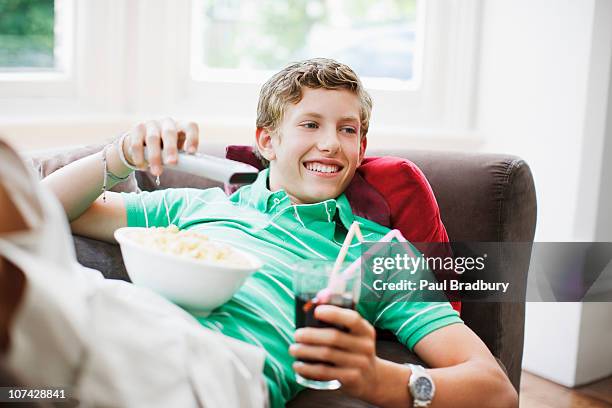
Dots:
pixel 184 266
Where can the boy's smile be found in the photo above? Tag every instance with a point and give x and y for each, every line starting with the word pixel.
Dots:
pixel 317 147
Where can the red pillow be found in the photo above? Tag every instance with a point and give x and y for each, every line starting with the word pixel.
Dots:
pixel 390 191
pixel 413 206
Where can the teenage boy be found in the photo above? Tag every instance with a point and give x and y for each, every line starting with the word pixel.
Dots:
pixel 312 123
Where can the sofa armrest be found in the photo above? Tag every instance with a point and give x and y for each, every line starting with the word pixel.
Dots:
pixel 502 325
pixel 487 198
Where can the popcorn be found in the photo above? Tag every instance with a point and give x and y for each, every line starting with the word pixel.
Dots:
pixel 188 244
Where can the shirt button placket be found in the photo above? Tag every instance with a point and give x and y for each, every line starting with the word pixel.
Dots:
pixel 276 201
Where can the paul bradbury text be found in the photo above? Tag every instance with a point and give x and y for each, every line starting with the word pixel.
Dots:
pixel 448 285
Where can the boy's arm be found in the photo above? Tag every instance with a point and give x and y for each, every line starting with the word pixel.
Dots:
pixel 101 219
pixel 465 373
pixel 78 185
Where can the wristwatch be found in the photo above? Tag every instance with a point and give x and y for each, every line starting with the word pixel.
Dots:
pixel 421 386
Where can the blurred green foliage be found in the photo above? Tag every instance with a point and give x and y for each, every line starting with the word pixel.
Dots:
pixel 26 33
pixel 267 34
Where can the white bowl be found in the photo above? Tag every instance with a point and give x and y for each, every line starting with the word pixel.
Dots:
pixel 194 284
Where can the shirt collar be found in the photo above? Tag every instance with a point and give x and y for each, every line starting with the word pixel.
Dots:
pixel 267 201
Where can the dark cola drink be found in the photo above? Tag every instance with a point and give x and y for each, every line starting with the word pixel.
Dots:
pixel 305 306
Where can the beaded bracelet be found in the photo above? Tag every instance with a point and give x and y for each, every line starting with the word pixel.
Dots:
pixel 124 159
pixel 109 174
pixel 122 155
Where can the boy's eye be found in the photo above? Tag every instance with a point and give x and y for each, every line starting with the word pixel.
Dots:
pixel 310 125
pixel 348 130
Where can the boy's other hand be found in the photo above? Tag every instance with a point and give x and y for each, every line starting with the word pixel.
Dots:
pixel 352 353
pixel 162 140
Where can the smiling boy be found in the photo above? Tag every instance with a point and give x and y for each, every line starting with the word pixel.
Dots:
pixel 309 173
pixel 312 124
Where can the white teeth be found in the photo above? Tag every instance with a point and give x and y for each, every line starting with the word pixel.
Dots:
pixel 322 168
pixel 330 169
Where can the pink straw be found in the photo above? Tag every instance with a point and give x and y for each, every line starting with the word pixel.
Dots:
pixel 339 280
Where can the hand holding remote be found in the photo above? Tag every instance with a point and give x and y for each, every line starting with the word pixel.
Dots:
pixel 154 143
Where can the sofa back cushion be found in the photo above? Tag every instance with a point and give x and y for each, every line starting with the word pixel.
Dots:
pixel 47 161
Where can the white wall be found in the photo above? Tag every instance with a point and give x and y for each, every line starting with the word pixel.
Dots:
pixel 594 211
pixel 543 66
pixel 534 65
pixel 603 229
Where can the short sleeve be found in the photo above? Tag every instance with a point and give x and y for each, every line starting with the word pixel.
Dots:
pixel 411 321
pixel 158 208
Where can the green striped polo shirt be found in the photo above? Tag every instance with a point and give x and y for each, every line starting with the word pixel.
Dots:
pixel 280 233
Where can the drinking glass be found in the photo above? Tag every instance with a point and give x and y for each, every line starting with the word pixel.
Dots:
pixel 311 276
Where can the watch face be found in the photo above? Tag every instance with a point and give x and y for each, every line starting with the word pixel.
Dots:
pixel 422 388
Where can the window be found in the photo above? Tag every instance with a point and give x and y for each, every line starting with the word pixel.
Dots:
pixel 251 39
pixel 26 34
pixel 417 58
pixel 36 48
pixel 206 59
pixel 33 36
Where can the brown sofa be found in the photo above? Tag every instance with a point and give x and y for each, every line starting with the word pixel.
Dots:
pixel 482 198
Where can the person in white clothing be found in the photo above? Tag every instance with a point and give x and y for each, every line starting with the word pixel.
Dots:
pixel 107 342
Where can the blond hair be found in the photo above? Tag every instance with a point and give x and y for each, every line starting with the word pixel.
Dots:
pixel 286 87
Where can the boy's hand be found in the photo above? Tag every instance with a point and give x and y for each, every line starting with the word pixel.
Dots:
pixel 162 140
pixel 353 354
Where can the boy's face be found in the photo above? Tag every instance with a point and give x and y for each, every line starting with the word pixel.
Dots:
pixel 317 148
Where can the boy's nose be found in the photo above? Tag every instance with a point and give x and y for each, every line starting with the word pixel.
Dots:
pixel 329 142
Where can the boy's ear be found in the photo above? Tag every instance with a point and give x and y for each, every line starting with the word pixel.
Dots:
pixel 263 140
pixel 362 148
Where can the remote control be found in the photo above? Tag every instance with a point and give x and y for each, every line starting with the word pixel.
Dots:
pixel 215 168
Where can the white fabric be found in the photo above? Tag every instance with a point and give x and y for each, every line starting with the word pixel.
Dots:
pixel 113 343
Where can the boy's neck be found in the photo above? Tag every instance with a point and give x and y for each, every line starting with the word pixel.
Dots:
pixel 291 198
